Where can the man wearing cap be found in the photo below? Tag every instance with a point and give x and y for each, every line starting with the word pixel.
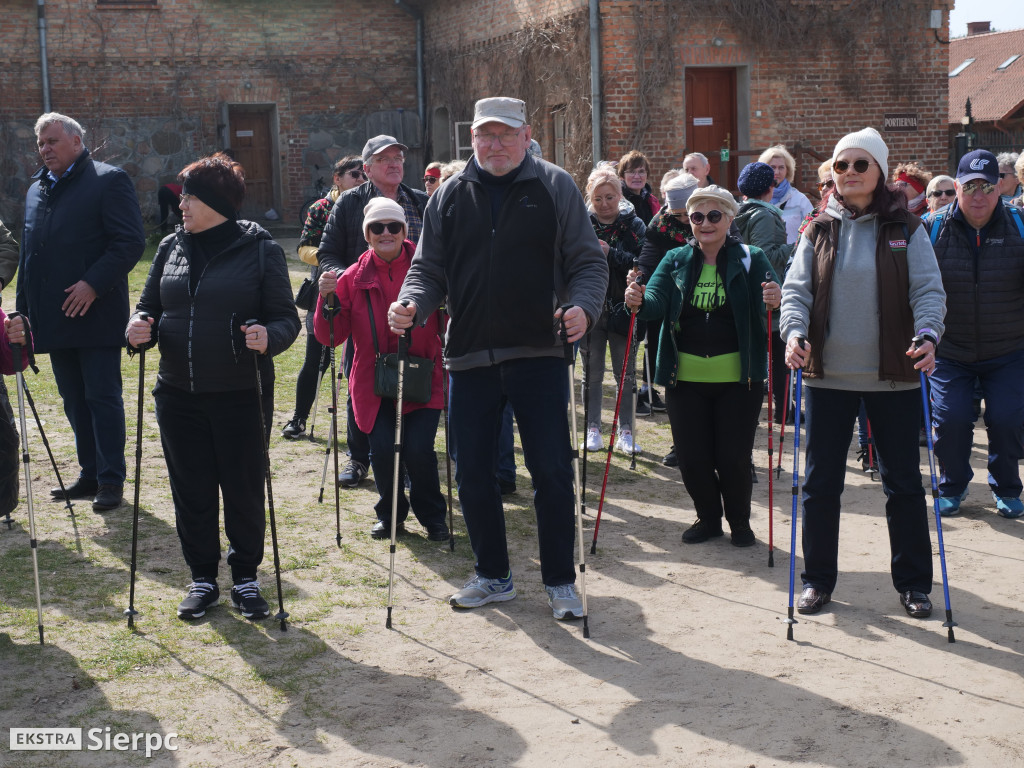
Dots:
pixel 509 241
pixel 980 250
pixel 343 243
pixel 83 235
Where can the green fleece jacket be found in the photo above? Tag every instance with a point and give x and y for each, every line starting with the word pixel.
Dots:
pixel 673 282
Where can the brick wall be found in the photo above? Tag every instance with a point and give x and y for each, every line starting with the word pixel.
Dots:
pixel 323 65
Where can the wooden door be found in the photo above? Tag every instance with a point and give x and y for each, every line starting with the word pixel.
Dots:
pixel 251 142
pixel 711 119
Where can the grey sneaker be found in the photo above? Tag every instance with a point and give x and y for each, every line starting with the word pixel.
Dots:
pixel 480 590
pixel 564 602
pixel 353 474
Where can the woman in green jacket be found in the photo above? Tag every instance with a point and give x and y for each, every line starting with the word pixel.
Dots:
pixel 711 359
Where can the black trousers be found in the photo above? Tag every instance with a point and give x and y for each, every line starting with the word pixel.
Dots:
pixel 213 445
pixel 10 466
pixel 713 431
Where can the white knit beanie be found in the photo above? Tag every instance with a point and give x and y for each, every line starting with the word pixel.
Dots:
pixel 382 209
pixel 871 142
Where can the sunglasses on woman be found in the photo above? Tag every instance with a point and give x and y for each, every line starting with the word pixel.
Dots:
pixel 394 227
pixel 946 192
pixel 860 166
pixel 430 180
pixel 357 175
pixel 827 184
pixel 713 216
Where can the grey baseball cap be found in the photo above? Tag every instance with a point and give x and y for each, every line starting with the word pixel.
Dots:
pixel 499 109
pixel 379 144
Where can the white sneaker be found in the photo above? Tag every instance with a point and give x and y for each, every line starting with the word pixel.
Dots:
pixel 594 442
pixel 564 602
pixel 625 443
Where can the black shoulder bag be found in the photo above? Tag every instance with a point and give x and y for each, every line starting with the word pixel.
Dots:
pixel 419 371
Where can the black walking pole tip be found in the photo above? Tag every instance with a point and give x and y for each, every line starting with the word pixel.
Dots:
pixel 338 538
pixel 281 616
pixel 388 622
pixel 593 547
pixel 771 559
pixel 586 628
pixel 9 521
pixel 41 641
pixel 451 541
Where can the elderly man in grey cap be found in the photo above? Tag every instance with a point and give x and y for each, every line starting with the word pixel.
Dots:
pixel 509 241
pixel 343 243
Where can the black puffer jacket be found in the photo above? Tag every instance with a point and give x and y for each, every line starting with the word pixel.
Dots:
pixel 343 243
pixel 197 330
pixel 984 286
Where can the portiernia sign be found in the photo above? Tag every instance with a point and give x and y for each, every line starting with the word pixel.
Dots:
pixel 900 121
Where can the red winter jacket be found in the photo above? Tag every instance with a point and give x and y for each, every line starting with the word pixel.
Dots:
pixel 383 280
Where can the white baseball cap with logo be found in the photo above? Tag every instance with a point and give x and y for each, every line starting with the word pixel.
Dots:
pixel 499 109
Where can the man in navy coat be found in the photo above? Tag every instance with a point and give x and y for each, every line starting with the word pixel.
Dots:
pixel 83 235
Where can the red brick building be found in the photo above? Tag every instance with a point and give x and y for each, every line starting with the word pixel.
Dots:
pixel 293 86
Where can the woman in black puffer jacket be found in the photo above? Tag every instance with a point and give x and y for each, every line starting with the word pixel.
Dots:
pixel 621 233
pixel 208 278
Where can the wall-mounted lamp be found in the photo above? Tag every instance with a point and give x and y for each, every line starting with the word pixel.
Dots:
pixel 717 42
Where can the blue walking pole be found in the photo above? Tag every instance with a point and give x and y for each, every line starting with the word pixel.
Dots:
pixel 949 623
pixel 798 391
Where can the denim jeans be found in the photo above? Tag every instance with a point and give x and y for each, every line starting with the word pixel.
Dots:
pixel 594 358
pixel 1002 386
pixel 538 391
pixel 895 423
pixel 506 448
pixel 89 382
pixel 419 428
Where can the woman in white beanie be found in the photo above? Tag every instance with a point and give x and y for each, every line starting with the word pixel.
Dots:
pixel 864 284
pixel 362 295
pixel 712 294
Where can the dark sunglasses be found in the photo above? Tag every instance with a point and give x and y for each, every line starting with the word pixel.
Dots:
pixel 860 166
pixel 713 216
pixel 978 185
pixel 946 192
pixel 827 184
pixel 357 175
pixel 430 180
pixel 394 227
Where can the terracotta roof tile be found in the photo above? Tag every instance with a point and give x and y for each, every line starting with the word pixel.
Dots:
pixel 994 93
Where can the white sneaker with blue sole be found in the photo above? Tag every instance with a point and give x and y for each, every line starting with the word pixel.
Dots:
pixel 481 590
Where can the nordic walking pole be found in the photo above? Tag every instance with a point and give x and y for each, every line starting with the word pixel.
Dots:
pixel 586 423
pixel 447 447
pixel 570 360
pixel 771 505
pixel 615 424
pixel 332 444
pixel 949 623
pixel 39 422
pixel 322 369
pixel 785 418
pixel 130 611
pixel 871 452
pixel 281 614
pixel 403 352
pixel 798 379
pixel 16 355
pixel 631 350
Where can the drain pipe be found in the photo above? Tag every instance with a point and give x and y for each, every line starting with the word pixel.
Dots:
pixel 421 106
pixel 44 67
pixel 595 78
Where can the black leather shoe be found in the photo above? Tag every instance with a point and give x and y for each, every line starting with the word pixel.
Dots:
pixel 108 497
pixel 507 487
pixel 700 532
pixel 80 489
pixel 382 530
pixel 743 538
pixel 671 460
pixel 916 604
pixel 812 600
pixel 438 533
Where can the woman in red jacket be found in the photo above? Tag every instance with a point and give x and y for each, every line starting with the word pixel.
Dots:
pixel 362 295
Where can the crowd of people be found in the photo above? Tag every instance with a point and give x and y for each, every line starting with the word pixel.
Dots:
pixel 495 273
